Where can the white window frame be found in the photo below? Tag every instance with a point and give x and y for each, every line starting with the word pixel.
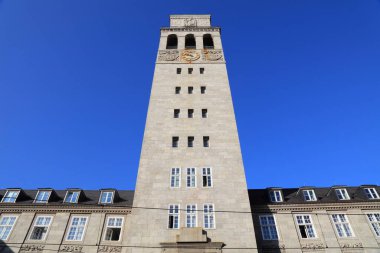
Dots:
pixel 106 192
pixel 44 193
pixel 108 226
pixel 71 225
pixel 342 194
pixel 71 202
pixel 275 196
pixel 2 232
pixel 35 225
pixel 271 237
pixel 207 175
pixel 177 177
pixel 374 221
pixel 191 213
pixel 174 207
pixel 13 197
pixel 371 193
pixel 308 225
pixel 309 195
pixel 207 216
pixel 341 225
pixel 192 178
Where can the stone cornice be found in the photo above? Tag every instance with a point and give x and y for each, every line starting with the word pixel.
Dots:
pixel 190 29
pixel 64 208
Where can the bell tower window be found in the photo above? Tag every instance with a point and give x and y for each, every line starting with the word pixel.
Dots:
pixel 190 41
pixel 172 42
pixel 208 42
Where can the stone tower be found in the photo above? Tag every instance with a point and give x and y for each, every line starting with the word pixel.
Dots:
pixel 191 192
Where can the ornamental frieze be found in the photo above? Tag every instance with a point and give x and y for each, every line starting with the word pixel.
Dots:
pixel 190 55
pixel 352 245
pixel 71 248
pixel 313 246
pixel 168 55
pixel 212 55
pixel 109 249
pixel 32 248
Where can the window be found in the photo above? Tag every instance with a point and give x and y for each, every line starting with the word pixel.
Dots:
pixel 374 219
pixel 42 197
pixel 176 113
pixel 106 197
pixel 190 41
pixel 206 141
pixel 191 216
pixel 342 194
pixel 190 113
pixel 173 217
pixel 72 197
pixel 208 43
pixel 175 176
pixel 204 113
pixel 342 225
pixel 179 71
pixel 6 226
pixel 175 140
pixel 172 42
pixel 10 196
pixel 40 228
pixel 190 71
pixel 77 227
pixel 113 229
pixel 177 90
pixel 275 196
pixel 202 71
pixel 209 216
pixel 191 177
pixel 309 195
pixel 190 141
pixel 190 90
pixel 203 89
pixel 371 193
pixel 305 226
pixel 268 227
pixel 206 177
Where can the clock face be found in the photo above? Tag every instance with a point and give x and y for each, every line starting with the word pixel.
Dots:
pixel 189 55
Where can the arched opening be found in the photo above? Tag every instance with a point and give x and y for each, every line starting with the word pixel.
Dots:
pixel 208 43
pixel 172 42
pixel 190 41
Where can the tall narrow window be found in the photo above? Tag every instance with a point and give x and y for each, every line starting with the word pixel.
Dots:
pixel 208 42
pixel 40 228
pixel 176 113
pixel 190 113
pixel 309 195
pixel 6 225
pixel 209 216
pixel 268 227
pixel 179 70
pixel 206 141
pixel 203 89
pixel 374 220
pixel 190 71
pixel 10 196
pixel 204 113
pixel 177 90
pixel 206 177
pixel 191 216
pixel 72 197
pixel 42 197
pixel 371 193
pixel 190 141
pixel 172 42
pixel 190 41
pixel 175 140
pixel 175 177
pixel 106 197
pixel 201 71
pixel 77 227
pixel 275 196
pixel 113 229
pixel 191 178
pixel 342 225
pixel 190 89
pixel 342 194
pixel 173 216
pixel 305 226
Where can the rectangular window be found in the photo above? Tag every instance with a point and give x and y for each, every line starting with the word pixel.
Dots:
pixel 190 141
pixel 177 90
pixel 42 197
pixel 106 197
pixel 342 225
pixel 40 228
pixel 72 197
pixel 371 193
pixel 76 230
pixel 206 177
pixel 173 217
pixel 6 225
pixel 374 220
pixel 203 89
pixel 209 216
pixel 191 216
pixel 179 71
pixel 342 194
pixel 268 227
pixel 204 113
pixel 202 71
pixel 190 113
pixel 176 113
pixel 10 196
pixel 175 140
pixel 305 226
pixel 113 229
pixel 309 195
pixel 190 89
pixel 206 141
pixel 191 177
pixel 190 71
pixel 175 177
pixel 275 196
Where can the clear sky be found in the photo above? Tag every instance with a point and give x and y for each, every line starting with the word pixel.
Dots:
pixel 75 79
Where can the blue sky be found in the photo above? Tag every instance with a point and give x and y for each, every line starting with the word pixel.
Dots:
pixel 75 78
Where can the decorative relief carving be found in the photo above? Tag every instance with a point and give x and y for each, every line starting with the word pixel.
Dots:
pixel 71 248
pixel 168 55
pixel 313 246
pixel 212 55
pixel 189 55
pixel 109 249
pixel 352 245
pixel 190 22
pixel 31 248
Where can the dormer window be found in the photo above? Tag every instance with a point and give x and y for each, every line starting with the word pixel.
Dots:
pixel 371 193
pixel 342 194
pixel 275 196
pixel 309 195
pixel 10 196
pixel 106 197
pixel 42 197
pixel 72 197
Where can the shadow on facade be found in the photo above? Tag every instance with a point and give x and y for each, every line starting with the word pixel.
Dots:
pixel 4 248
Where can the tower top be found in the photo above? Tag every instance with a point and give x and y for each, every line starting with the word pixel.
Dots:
pixel 190 20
